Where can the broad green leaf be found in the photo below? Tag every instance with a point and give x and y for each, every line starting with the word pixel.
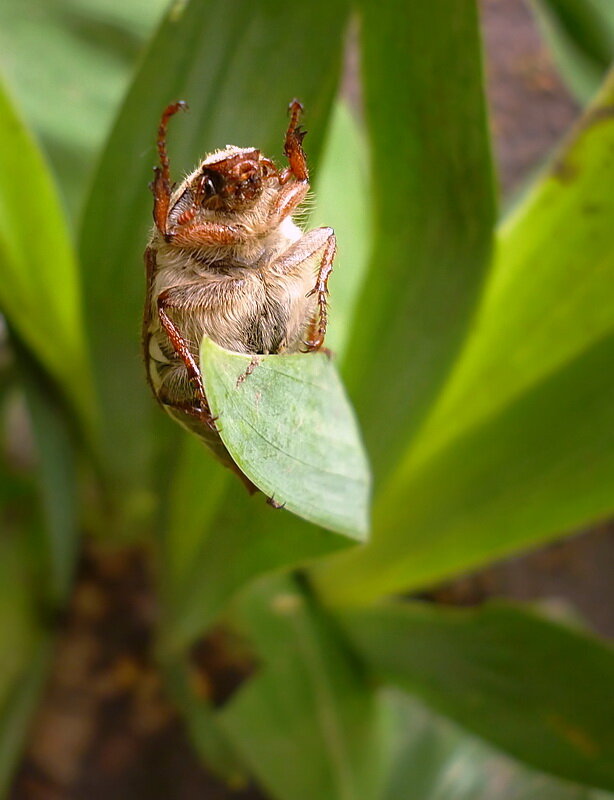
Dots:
pixel 431 185
pixel 68 62
pixel 237 71
pixel 217 539
pixel 519 447
pixel 287 423
pixel 533 688
pixel 581 35
pixel 435 760
pixel 307 725
pixel 39 290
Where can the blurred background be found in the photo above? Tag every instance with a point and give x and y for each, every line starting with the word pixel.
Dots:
pixel 105 727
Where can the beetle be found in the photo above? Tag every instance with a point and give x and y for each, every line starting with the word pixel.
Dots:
pixel 225 259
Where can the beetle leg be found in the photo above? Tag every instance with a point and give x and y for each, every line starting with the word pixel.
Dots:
pixel 304 248
pixel 293 147
pixel 183 351
pixel 317 329
pixel 187 406
pixel 162 197
pixel 150 268
pixel 161 184
pixel 308 246
pixel 289 198
pixel 203 234
pixel 294 180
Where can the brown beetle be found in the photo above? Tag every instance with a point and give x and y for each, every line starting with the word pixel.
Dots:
pixel 225 259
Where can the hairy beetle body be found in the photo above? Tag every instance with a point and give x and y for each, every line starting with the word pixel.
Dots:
pixel 225 259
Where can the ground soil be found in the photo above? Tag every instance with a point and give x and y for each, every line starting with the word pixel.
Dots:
pixel 105 728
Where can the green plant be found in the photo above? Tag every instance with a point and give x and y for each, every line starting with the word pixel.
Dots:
pixel 479 362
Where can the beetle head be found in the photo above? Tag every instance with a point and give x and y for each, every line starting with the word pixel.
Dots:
pixel 231 180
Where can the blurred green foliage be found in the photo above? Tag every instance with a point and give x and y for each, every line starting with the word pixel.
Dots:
pixel 581 36
pixel 479 362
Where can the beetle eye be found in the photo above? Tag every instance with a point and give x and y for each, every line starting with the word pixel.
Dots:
pixel 212 182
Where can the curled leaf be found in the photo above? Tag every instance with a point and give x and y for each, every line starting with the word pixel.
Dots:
pixel 287 423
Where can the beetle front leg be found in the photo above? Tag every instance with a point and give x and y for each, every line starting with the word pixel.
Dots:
pixel 204 234
pixel 293 147
pixel 289 199
pixel 161 184
pixel 317 329
pixel 294 180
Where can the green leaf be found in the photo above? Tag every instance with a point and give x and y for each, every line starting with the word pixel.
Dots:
pixel 519 447
pixel 227 66
pixel 39 291
pixel 286 422
pixel 533 688
pixel 435 760
pixel 431 185
pixel 68 62
pixel 581 35
pixel 307 724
